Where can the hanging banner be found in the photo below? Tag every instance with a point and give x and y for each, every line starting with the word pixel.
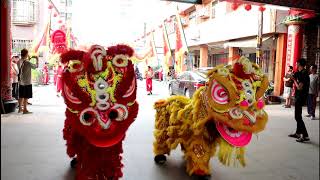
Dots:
pixel 294 43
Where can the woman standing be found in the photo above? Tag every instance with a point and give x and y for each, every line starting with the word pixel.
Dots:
pixel 149 75
pixel 45 71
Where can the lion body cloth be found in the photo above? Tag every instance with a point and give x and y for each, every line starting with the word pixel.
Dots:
pixel 100 93
pixel 217 121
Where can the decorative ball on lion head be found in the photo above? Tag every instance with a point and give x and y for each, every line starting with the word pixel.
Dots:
pixel 100 92
pixel 234 99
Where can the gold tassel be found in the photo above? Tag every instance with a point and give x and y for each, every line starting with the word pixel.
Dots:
pixel 229 155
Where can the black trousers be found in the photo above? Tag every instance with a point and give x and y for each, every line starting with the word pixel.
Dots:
pixel 15 90
pixel 301 128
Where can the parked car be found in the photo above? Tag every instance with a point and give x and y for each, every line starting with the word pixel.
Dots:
pixel 188 82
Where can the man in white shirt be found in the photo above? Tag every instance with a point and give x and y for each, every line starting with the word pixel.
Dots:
pixel 313 92
pixel 25 85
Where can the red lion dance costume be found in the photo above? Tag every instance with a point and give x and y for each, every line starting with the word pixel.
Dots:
pixel 99 90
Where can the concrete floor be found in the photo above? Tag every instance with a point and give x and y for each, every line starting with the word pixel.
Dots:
pixel 32 147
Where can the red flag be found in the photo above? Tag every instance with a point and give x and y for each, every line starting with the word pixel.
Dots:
pixel 181 44
pixel 44 41
pixel 166 50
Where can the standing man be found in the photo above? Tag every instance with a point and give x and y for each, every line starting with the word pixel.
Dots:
pixel 301 83
pixel 25 85
pixel 288 86
pixel 14 77
pixel 149 75
pixel 313 92
pixel 160 74
pixel 45 71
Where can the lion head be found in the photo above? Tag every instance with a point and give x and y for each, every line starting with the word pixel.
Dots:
pixel 100 93
pixel 233 100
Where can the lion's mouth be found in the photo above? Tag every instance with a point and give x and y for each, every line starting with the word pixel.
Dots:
pixel 232 136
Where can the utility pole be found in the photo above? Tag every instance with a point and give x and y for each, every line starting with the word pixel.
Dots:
pixel 259 38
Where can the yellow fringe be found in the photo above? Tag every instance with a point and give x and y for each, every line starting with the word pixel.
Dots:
pixel 229 155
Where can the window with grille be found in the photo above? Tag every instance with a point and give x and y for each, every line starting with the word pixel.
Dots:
pixel 219 59
pixel 24 11
pixel 68 16
pixel 213 9
pixel 193 17
pixel 69 3
pixel 19 44
pixel 266 61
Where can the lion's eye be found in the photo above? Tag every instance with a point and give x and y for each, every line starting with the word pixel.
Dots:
pixel 119 112
pixel 219 94
pixel 87 116
pixel 120 60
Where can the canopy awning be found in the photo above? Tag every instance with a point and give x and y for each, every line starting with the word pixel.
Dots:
pixel 252 42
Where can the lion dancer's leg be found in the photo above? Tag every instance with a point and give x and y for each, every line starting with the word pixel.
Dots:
pixel 160 146
pixel 99 163
pixel 197 155
pixel 68 135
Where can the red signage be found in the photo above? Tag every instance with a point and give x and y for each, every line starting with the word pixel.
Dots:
pixel 294 43
pixel 59 42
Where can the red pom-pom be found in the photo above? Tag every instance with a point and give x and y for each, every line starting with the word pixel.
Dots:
pixel 262 8
pixel 247 7
pixel 120 49
pixel 55 15
pixel 50 6
pixel 60 21
pixel 238 71
pixel 71 55
pixel 234 6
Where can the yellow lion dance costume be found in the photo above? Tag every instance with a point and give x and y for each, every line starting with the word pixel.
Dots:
pixel 218 120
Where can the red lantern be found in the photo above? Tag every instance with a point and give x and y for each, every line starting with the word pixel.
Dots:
pixel 247 7
pixel 262 8
pixel 160 26
pixel 55 15
pixel 60 21
pixel 234 6
pixel 50 6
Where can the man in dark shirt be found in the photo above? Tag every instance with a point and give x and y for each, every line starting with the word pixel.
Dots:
pixel 301 83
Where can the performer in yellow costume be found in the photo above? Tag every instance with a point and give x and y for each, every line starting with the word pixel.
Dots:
pixel 217 121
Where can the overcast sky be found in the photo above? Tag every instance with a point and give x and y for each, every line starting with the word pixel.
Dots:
pixel 107 21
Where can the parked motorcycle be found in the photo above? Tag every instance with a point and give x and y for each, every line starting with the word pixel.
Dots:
pixel 138 74
pixel 269 93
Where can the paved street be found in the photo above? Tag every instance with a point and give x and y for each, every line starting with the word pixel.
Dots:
pixel 32 147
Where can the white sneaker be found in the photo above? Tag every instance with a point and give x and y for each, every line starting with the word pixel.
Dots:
pixel 313 118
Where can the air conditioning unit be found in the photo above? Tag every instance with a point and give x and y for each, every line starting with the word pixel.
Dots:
pixel 184 22
pixel 203 13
